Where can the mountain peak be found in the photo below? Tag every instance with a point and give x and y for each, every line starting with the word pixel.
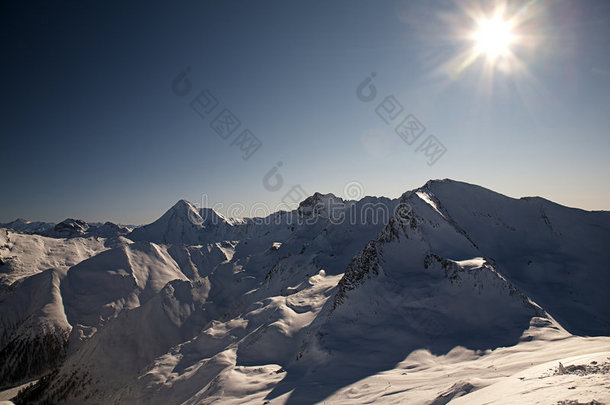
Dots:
pixel 318 198
pixel 444 183
pixel 321 204
pixel 71 227
pixel 183 204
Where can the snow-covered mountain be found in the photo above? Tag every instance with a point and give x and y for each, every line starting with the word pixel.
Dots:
pixel 68 228
pixel 24 225
pixel 409 300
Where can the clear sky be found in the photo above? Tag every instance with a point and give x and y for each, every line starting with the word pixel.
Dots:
pixel 94 126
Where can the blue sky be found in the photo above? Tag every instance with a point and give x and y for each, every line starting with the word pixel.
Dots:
pixel 92 129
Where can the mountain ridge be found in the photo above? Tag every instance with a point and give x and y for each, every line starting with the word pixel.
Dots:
pixel 285 301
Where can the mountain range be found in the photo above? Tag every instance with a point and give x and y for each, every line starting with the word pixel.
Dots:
pixel 451 292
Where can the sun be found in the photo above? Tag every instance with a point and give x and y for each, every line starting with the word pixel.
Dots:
pixel 493 37
pixel 493 41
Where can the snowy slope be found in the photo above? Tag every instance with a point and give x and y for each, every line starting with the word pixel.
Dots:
pixel 398 295
pixel 23 255
pixel 556 255
pixel 33 328
pixel 98 289
pixel 452 285
pixel 582 379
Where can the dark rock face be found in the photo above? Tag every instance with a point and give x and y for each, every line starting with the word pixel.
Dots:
pixel 108 230
pixel 30 357
pixel 364 265
pixel 324 205
pixel 71 227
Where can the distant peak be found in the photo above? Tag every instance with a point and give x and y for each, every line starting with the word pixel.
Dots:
pixel 73 221
pixel 71 227
pixel 441 181
pixel 449 184
pixel 318 198
pixel 181 204
pixel 321 205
